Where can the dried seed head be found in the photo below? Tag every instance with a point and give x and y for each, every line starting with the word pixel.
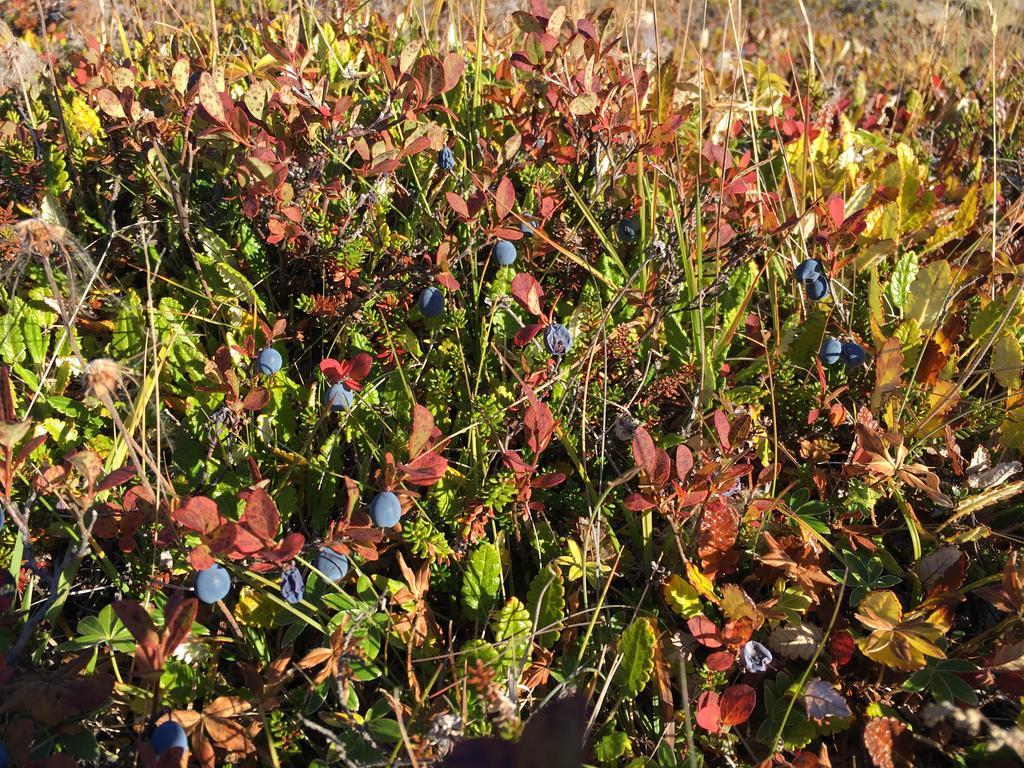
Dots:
pixel 103 377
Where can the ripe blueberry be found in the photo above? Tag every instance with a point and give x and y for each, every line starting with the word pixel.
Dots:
pixel 431 301
pixel 269 361
pixel 527 227
pixel 165 736
pixel 558 339
pixel 504 253
pixel 853 353
pixel 807 270
pixel 818 288
pixel 331 564
pixel 293 588
pixel 445 158
pixel 339 397
pixel 830 351
pixel 213 584
pixel 386 509
pixel 5 759
pixel 629 229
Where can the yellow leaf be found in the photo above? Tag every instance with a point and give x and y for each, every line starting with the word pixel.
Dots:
pixel 701 583
pixel 584 104
pixel 928 294
pixel 681 597
pixel 736 604
pixel 1007 360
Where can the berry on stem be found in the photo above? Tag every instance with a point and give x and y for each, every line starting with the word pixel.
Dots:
pixel 386 509
pixel 331 564
pixel 213 584
pixel 269 361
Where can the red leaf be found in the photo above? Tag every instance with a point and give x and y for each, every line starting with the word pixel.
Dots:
pixel 256 399
pixel 722 428
pixel 644 453
pixel 286 550
pixel 200 558
pixel 178 623
pixel 527 333
pixel 538 423
pixel 454 65
pixel 720 661
pixel 260 516
pixel 116 478
pixel 550 480
pixel 527 291
pixel 199 514
pixel 422 429
pixel 704 631
pixel 332 370
pixel 137 620
pixel 684 461
pixel 504 197
pixel 516 463
pixel 836 210
pixel 737 704
pixel 426 469
pixel 637 502
pixel 240 540
pixel 359 366
pixel 709 715
pixel 447 279
pixel 458 204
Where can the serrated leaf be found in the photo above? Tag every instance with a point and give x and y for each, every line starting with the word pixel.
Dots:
pixel 904 272
pixel 546 603
pixel 636 647
pixel 513 627
pixel 481 582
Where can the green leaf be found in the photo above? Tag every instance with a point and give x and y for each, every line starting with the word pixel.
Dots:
pixel 903 274
pixel 546 603
pixel 636 646
pixel 481 582
pixel 928 294
pixel 961 224
pixel 513 627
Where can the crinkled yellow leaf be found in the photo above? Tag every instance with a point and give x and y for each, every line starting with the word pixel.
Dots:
pixel 681 596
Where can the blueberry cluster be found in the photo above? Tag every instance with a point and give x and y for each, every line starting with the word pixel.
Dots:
pixel 834 350
pixel 814 279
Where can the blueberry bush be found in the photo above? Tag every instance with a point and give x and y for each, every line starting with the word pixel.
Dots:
pixel 411 389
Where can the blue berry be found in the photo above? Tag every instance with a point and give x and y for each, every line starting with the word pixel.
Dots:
pixel 331 564
pixel 165 737
pixel 808 270
pixel 213 584
pixel 293 588
pixel 386 509
pixel 527 227
pixel 830 351
pixel 5 759
pixel 446 159
pixel 853 353
pixel 818 288
pixel 269 361
pixel 558 339
pixel 339 397
pixel 629 229
pixel 431 301
pixel 504 253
